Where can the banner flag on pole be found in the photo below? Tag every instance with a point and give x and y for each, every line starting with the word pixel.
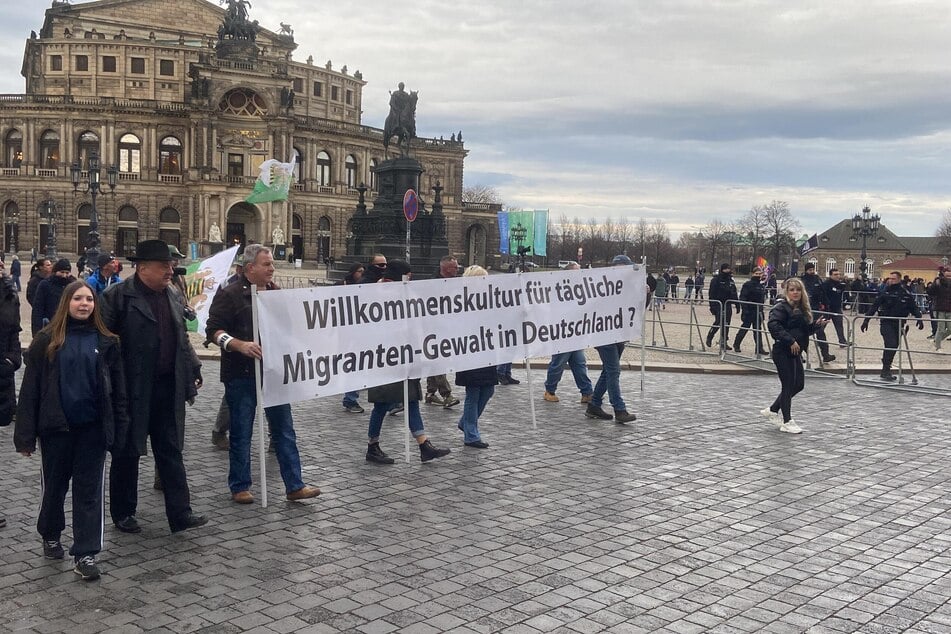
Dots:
pixel 540 244
pixel 503 232
pixel 328 340
pixel 809 245
pixel 274 181
pixel 202 281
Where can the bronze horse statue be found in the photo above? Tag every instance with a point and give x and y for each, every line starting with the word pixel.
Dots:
pixel 401 122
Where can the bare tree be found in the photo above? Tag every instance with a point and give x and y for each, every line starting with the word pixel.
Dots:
pixel 659 240
pixel 780 229
pixel 481 194
pixel 944 230
pixel 641 236
pixel 715 234
pixel 754 226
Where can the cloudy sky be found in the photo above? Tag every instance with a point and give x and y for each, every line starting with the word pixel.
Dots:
pixel 684 110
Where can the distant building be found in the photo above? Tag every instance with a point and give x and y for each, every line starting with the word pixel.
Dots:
pixel 839 248
pixel 187 115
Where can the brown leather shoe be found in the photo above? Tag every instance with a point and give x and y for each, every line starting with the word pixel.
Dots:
pixel 304 493
pixel 243 497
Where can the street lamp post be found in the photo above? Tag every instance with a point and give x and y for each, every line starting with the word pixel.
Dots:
pixel 50 209
pixel 865 225
pixel 15 229
pixel 518 234
pixel 93 186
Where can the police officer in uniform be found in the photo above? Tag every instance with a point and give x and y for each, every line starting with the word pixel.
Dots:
pixel 894 301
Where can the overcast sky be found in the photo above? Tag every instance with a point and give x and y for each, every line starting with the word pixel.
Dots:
pixel 683 110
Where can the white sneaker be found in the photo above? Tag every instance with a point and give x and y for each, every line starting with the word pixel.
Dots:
pixel 790 427
pixel 771 416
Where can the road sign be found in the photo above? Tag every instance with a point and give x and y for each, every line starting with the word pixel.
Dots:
pixel 410 205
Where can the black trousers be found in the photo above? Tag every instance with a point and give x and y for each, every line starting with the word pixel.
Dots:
pixel 889 329
pixel 717 316
pixel 78 455
pixel 755 321
pixel 839 330
pixel 163 434
pixel 792 378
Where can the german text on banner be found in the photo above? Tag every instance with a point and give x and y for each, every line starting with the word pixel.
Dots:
pixel 324 341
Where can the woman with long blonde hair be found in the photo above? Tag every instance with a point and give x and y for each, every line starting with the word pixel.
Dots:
pixel 73 402
pixel 791 324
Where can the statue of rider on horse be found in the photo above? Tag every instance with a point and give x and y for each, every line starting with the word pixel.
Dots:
pixel 401 122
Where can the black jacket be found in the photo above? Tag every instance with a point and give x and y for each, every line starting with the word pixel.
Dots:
pixel 231 311
pixel 39 411
pixel 478 377
pixel 722 289
pixel 832 291
pixel 46 300
pixel 894 301
pixel 940 293
pixel 11 357
pixel 814 290
pixel 754 292
pixel 127 313
pixel 31 287
pixel 787 325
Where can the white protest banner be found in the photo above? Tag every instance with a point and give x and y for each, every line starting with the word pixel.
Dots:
pixel 323 341
pixel 202 281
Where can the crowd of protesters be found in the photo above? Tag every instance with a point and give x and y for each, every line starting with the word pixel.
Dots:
pixel 110 369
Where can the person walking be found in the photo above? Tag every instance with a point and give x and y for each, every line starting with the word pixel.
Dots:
pixel 16 270
pixel 722 290
pixel 576 362
pixel 10 353
pixel 688 288
pixel 48 293
pixel 752 296
pixel 39 272
pixel 815 291
pixel 895 302
pixel 73 401
pixel 698 285
pixel 105 274
pixel 834 290
pixel 609 380
pixel 791 323
pixel 162 372
pixel 386 398
pixel 480 386
pixel 438 390
pixel 941 307
pixel 230 325
pixel 354 276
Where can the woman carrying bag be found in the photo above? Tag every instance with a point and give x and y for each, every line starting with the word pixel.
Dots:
pixel 73 401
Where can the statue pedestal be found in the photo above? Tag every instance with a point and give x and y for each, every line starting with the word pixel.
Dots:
pixel 383 228
pixel 210 248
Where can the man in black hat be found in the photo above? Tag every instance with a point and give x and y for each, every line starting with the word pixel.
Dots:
pixel 105 274
pixel 162 373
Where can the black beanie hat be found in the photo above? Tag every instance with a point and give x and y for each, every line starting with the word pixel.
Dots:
pixel 62 265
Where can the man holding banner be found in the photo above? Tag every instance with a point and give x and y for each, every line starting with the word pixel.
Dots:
pixel 230 325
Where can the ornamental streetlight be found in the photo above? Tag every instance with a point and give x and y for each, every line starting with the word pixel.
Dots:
pixel 93 186
pixel 518 233
pixel 14 221
pixel 50 208
pixel 865 225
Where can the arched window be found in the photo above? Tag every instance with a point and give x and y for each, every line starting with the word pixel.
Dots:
pixel 49 150
pixel 13 148
pixel 127 233
pixel 869 266
pixel 830 264
pixel 886 261
pixel 351 171
pixel 849 266
pixel 242 102
pixel 170 215
pixel 130 149
pixel 371 177
pixel 323 169
pixel 128 213
pixel 170 156
pixel 170 226
pixel 814 261
pixel 88 144
pixel 296 223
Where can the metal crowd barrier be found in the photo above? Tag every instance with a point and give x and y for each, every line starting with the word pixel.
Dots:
pixel 659 325
pixel 907 379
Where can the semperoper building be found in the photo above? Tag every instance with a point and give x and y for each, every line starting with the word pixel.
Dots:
pixel 148 86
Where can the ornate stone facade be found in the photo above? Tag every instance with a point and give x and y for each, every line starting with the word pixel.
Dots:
pixel 188 118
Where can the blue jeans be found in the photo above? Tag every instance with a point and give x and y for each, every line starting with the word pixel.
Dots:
pixel 476 398
pixel 579 369
pixel 242 402
pixel 610 379
pixel 350 398
pixel 379 412
pixel 504 369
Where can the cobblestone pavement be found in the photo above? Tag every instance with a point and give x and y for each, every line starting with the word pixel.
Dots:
pixel 699 517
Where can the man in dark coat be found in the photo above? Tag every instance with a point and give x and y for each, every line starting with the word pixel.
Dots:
pixel 820 306
pixel 894 303
pixel 41 270
pixel 722 290
pixel 834 290
pixel 162 372
pixel 752 296
pixel 46 300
